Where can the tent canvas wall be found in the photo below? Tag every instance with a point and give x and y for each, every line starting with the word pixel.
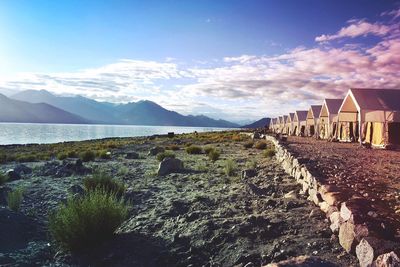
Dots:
pixel 279 124
pixel 327 126
pixel 273 125
pixel 285 125
pixel 290 123
pixel 300 121
pixel 370 116
pixel 312 120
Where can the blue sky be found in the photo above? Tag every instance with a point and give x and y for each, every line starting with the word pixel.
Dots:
pixel 186 54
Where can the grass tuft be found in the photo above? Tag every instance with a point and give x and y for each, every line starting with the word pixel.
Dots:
pixel 165 154
pixel 84 222
pixel 3 178
pixel 194 149
pixel 230 167
pixel 248 144
pixel 213 155
pixel 14 199
pixel 261 145
pixel 269 153
pixel 88 155
pixel 101 180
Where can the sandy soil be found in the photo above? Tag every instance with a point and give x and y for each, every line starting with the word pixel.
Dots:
pixel 372 173
pixel 199 217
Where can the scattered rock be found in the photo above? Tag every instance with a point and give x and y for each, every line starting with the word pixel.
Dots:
pixel 132 155
pixel 370 247
pixel 387 260
pixel 350 235
pixel 248 173
pixel 291 194
pixel 336 221
pixel 22 169
pixel 155 150
pixel 304 261
pixel 169 165
pixel 76 190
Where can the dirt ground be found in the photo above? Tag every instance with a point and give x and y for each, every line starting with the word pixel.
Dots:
pixel 372 173
pixel 198 217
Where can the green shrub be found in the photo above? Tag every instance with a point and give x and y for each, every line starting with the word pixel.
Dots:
pixel 230 167
pixel 252 164
pixel 104 154
pixel 14 199
pixel 84 222
pixel 62 155
pixel 165 154
pixel 3 158
pixel 26 158
pixel 101 180
pixel 261 145
pixel 88 155
pixel 208 149
pixel 269 153
pixel 172 147
pixel 72 154
pixel 3 178
pixel 194 149
pixel 248 144
pixel 214 155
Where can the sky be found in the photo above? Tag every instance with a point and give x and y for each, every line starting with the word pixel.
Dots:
pixel 235 60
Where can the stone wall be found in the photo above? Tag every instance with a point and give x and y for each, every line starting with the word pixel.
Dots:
pixel 360 229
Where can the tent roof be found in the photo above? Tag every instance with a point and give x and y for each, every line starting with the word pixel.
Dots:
pixel 377 99
pixel 301 115
pixel 333 105
pixel 285 118
pixel 316 109
pixel 280 119
pixel 291 116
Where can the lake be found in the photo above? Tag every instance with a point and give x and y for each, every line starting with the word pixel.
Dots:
pixel 27 133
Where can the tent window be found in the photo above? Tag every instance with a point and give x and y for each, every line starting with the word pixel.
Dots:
pixel 394 133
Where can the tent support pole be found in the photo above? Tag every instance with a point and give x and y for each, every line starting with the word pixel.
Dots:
pixel 359 128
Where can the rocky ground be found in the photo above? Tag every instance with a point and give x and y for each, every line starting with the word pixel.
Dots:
pixel 197 217
pixel 371 173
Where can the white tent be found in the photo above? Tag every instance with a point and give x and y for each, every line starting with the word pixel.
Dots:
pixel 299 122
pixel 285 124
pixel 328 118
pixel 375 113
pixel 312 120
pixel 290 123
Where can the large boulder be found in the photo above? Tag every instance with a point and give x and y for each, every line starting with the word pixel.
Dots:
pixel 169 165
pixel 387 260
pixel 12 175
pixel 350 235
pixel 155 150
pixel 370 248
pixel 248 173
pixel 22 169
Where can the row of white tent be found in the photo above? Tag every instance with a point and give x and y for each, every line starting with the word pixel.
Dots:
pixel 368 116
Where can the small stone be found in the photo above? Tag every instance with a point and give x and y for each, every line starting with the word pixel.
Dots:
pixel 350 235
pixel 248 173
pixel 291 194
pixel 155 150
pixel 132 155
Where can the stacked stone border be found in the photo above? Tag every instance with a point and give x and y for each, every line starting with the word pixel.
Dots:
pixel 361 231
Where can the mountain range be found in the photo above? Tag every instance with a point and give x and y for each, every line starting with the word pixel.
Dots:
pixel 258 124
pixel 42 106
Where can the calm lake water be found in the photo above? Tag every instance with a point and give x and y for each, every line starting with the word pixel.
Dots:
pixel 27 133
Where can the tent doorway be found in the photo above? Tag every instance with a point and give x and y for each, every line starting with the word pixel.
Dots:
pixel 302 130
pixel 394 133
pixel 312 130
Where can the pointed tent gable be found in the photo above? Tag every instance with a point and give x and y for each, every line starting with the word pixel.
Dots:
pixel 300 115
pixel 285 119
pixel 314 111
pixel 291 117
pixel 330 107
